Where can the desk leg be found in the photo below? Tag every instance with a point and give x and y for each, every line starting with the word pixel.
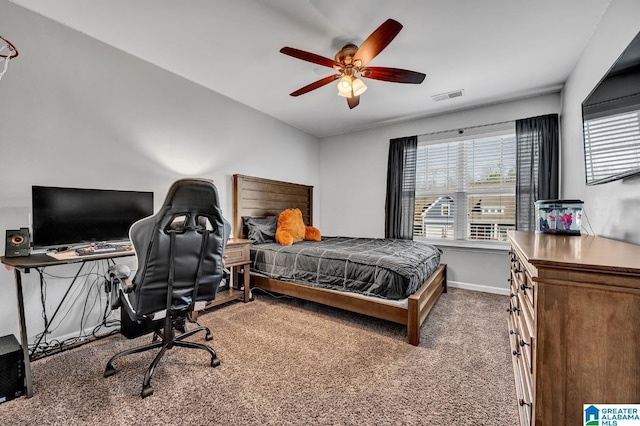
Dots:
pixel 23 335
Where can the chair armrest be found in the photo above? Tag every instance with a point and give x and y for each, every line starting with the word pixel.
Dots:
pixel 119 276
pixel 126 285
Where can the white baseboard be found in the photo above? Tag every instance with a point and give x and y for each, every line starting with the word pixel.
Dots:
pixel 478 287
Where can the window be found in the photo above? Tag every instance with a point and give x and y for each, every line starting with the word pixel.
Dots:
pixel 465 184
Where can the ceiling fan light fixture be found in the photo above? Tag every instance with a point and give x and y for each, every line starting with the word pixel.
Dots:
pixel 358 87
pixel 345 86
pixel 345 83
pixel 345 93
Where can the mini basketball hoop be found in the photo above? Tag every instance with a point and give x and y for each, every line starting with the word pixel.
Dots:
pixel 7 52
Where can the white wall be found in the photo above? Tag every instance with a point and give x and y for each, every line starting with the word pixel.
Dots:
pixel 613 209
pixel 76 112
pixel 353 171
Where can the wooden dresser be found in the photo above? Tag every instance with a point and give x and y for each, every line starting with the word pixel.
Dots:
pixel 574 325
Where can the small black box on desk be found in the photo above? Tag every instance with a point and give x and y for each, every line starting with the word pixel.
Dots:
pixel 11 368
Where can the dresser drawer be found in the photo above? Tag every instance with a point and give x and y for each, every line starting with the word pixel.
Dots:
pixel 525 337
pixel 513 333
pixel 527 286
pixel 515 285
pixel 523 380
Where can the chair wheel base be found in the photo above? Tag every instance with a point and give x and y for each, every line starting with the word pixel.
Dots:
pixel 208 337
pixel 148 391
pixel 109 371
pixel 215 362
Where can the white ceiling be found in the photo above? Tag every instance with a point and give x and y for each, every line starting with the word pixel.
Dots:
pixel 493 49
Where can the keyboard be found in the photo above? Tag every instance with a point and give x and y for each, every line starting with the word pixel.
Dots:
pixel 102 248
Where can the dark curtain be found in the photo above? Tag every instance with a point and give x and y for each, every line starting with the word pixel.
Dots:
pixel 538 153
pixel 401 188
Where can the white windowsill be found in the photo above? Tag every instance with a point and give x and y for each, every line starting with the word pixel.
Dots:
pixel 467 245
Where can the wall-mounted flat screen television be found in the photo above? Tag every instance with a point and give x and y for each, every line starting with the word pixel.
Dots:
pixel 611 121
pixel 74 216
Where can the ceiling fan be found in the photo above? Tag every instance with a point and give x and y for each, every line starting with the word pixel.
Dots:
pixel 351 63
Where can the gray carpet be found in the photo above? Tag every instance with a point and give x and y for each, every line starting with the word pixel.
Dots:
pixel 289 362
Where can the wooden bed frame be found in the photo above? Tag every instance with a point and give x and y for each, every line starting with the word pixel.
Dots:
pixel 254 196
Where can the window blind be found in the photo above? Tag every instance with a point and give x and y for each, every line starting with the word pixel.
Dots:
pixel 465 184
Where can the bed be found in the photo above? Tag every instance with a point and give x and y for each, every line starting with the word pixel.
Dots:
pixel 255 197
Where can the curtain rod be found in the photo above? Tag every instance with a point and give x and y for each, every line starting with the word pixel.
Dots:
pixel 466 128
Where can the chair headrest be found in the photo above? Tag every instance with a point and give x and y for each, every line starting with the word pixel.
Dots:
pixel 195 193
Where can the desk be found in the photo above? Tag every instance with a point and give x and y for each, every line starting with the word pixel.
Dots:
pixel 25 264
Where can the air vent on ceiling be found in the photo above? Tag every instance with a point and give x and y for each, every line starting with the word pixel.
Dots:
pixel 448 95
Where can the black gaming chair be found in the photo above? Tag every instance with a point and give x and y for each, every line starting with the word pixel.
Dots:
pixel 179 253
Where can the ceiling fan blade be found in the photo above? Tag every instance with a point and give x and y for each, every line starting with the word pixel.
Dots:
pixel 377 41
pixel 309 57
pixel 315 85
pixel 395 75
pixel 353 101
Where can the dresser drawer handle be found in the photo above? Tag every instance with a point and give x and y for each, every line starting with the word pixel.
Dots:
pixel 516 353
pixel 514 309
pixel 513 294
pixel 517 271
pixel 522 403
pixel 523 343
pixel 513 332
pixel 524 287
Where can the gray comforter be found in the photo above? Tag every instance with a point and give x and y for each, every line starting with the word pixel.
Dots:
pixel 391 269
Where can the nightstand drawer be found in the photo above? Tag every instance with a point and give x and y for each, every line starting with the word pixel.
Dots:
pixel 236 254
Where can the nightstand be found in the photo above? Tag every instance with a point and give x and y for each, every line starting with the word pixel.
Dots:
pixel 236 257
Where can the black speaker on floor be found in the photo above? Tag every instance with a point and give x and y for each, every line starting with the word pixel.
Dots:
pixel 11 368
pixel 17 243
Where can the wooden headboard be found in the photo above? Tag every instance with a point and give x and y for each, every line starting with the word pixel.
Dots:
pixel 254 196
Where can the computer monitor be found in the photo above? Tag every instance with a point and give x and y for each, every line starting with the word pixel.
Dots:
pixel 65 217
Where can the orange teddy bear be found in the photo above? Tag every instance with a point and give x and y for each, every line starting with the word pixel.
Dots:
pixel 291 228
